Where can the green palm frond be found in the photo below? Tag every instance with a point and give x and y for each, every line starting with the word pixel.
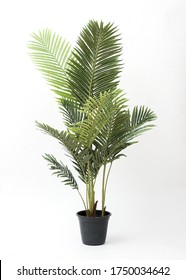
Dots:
pixel 115 141
pixel 48 130
pixel 141 115
pixel 50 54
pixel 95 65
pixel 120 129
pixel 141 121
pixel 71 144
pixel 61 171
pixel 126 127
pixel 99 111
pixel 74 148
pixel 111 141
pixel 117 125
pixel 71 110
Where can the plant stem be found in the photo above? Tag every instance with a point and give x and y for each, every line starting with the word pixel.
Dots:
pixel 87 200
pixel 103 189
pixel 90 189
pixel 82 199
pixel 107 177
pixel 104 186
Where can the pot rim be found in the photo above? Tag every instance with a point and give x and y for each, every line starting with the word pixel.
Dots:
pixel 82 214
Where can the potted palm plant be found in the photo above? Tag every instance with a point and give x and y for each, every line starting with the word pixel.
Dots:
pixel 99 124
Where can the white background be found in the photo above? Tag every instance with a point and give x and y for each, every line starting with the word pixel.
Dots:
pixel 147 190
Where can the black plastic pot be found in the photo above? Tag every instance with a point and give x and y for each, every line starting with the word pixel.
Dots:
pixel 93 229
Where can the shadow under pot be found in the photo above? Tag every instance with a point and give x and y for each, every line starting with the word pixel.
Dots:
pixel 93 229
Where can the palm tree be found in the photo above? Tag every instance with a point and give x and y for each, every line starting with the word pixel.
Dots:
pixel 95 111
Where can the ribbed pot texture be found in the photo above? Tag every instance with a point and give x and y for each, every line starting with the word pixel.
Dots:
pixel 93 229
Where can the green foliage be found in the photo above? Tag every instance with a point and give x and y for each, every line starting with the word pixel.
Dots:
pixel 50 53
pixel 61 171
pixel 73 147
pixel 95 111
pixel 95 64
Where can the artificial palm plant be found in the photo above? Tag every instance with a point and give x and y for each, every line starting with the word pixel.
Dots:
pixel 99 125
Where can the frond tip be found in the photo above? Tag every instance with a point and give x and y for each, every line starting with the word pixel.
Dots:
pixel 61 171
pixel 141 121
pixel 50 53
